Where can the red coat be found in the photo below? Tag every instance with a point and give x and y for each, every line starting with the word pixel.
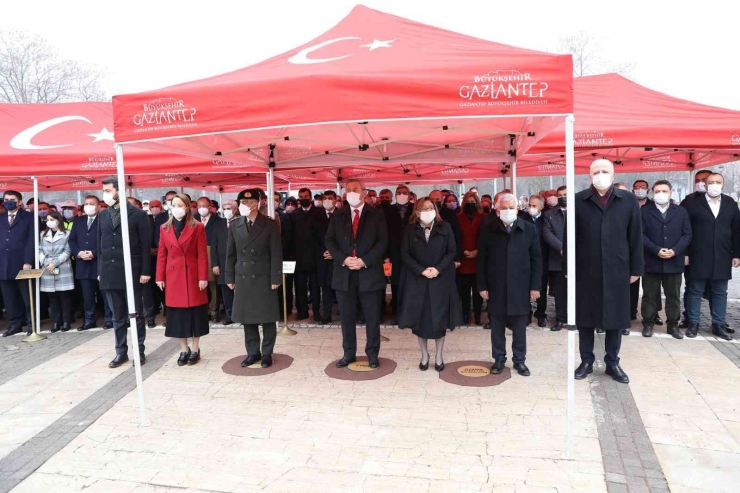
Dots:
pixel 181 263
pixel 470 232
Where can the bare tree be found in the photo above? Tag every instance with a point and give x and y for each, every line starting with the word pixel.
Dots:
pixel 586 58
pixel 31 71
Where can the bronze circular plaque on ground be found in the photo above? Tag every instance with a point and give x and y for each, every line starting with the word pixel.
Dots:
pixel 363 371
pixel 473 374
pixel 234 366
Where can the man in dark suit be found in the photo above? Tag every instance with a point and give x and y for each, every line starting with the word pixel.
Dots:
pixel 714 251
pixel 230 210
pixel 17 235
pixel 111 267
pixel 553 230
pixel 535 215
pixel 397 218
pixel 211 222
pixel 641 190
pixel 609 256
pixel 286 240
pixel 666 231
pixel 325 263
pixel 510 277
pixel 305 252
pixel 357 239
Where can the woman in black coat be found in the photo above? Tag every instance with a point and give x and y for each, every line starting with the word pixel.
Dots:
pixel 429 302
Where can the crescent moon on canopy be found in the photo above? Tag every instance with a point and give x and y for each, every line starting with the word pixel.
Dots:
pixel 301 58
pixel 22 141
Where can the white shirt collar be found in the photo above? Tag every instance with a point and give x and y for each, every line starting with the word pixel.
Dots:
pixel 711 202
pixel 358 208
pixel 663 208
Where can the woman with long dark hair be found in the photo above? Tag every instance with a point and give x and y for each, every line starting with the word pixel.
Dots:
pixel 470 219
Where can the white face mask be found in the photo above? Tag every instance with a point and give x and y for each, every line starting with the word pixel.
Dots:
pixel 228 213
pixel 168 205
pixel 661 198
pixel 52 224
pixel 91 210
pixel 552 201
pixel 640 194
pixel 328 204
pixel 68 214
pixel 178 212
pixel 700 186
pixel 714 189
pixel 245 210
pixel 533 211
pixel 353 198
pixel 108 199
pixel 203 211
pixel 317 203
pixel 602 181
pixel 428 216
pixel 508 216
pixel 373 200
pixel 402 199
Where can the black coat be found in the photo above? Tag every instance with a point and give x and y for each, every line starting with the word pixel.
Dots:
pixel 673 233
pixel 213 224
pixel 111 267
pixel 304 241
pixel 509 266
pixel 608 251
pixel 218 249
pixel 18 246
pixel 450 216
pixel 539 226
pixel 286 234
pixel 417 256
pixel 322 225
pixel 371 245
pixel 715 242
pixel 254 262
pixel 396 228
pixel 553 230
pixel 81 239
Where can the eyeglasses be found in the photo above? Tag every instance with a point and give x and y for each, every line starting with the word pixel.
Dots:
pixel 427 209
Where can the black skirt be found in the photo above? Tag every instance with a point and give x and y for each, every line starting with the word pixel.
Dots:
pixel 426 328
pixel 187 322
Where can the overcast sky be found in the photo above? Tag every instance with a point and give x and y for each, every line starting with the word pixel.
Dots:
pixel 685 48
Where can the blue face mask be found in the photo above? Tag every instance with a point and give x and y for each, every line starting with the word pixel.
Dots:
pixel 43 214
pixel 10 205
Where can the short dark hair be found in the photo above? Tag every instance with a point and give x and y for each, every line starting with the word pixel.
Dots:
pixel 640 181
pixel 30 201
pixel 663 182
pixel 318 196
pixel 215 203
pixel 702 171
pixel 88 197
pixel 330 193
pixel 171 192
pixel 304 190
pixel 403 187
pixel 111 180
pixel 561 188
pixel 15 194
pixel 386 190
pixel 291 200
pixel 713 174
pixel 487 196
pixel 47 204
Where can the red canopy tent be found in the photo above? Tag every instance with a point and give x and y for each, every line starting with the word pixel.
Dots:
pixel 639 130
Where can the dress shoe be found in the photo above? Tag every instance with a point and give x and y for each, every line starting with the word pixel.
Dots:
pixel 674 331
pixel 327 320
pixel 729 330
pixel 54 328
pixel 87 326
pixel 657 320
pixel 718 330
pixel 584 370
pixel 498 366
pixel 557 327
pixel 228 321
pixel 12 331
pixel 617 374
pixel 439 367
pixel 647 330
pixel 374 363
pixel 151 323
pixel 118 361
pixel 600 331
pixel 317 318
pixel 478 322
pixel 346 361
pixel 250 360
pixel 28 332
pixel 266 361
pixel 692 330
pixel 394 321
pixel 424 366
pixel 142 358
pixel 522 369
pixel 361 320
pixel 542 321
pixel 684 324
pixel 195 357
pixel 625 332
pixel 487 327
pixel 66 327
pixel 183 359
pixel 108 325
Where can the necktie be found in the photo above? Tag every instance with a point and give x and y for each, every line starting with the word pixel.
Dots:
pixel 355 226
pixel 11 218
pixel 249 226
pixel 89 223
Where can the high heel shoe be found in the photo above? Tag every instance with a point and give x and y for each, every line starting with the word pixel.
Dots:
pixel 439 367
pixel 424 367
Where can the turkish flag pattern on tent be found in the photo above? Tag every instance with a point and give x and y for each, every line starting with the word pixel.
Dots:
pixel 638 129
pixel 376 88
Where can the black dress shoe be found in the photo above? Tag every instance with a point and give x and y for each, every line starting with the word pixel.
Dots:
pixel 228 321
pixel 625 332
pixel 684 324
pixel 108 325
pixel 729 330
pixel 250 360
pixel 692 330
pixel 487 327
pixel 266 361
pixel 183 359
pixel 617 374
pixel 600 331
pixel 394 321
pixel 87 327
pixel 439 367
pixel 522 369
pixel 718 330
pixel 151 323
pixel 118 361
pixel 498 366
pixel 361 320
pixel 675 332
pixel 28 332
pixel 557 327
pixel 12 331
pixel 66 328
pixel 424 366
pixel 346 361
pixel 478 322
pixel 54 328
pixel 657 320
pixel 374 363
pixel 647 331
pixel 142 358
pixel 195 357
pixel 326 320
pixel 542 321
pixel 584 370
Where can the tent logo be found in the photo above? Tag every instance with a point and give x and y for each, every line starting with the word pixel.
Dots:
pixel 503 87
pixel 658 162
pixel 735 139
pixel 163 114
pixel 591 139
pixel 99 162
pixel 225 163
pixel 170 178
pixel 455 171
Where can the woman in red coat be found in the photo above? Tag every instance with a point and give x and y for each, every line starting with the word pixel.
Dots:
pixel 182 267
pixel 470 218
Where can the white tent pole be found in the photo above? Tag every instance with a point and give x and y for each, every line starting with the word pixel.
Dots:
pixel 551 185
pixel 271 192
pixel 130 282
pixel 513 178
pixel 37 306
pixel 570 180
pixel 79 196
pixel 690 188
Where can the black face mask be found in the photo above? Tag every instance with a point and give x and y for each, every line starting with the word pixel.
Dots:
pixel 439 203
pixel 486 209
pixel 470 208
pixel 305 203
pixel 562 201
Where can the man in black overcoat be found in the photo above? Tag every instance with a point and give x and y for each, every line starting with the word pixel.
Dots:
pixel 509 277
pixel 111 267
pixel 553 232
pixel 397 218
pixel 325 263
pixel 714 251
pixel 609 256
pixel 357 239
pixel 305 246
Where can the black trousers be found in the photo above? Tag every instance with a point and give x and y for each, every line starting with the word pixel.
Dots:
pixel 227 294
pixel 612 343
pixel 561 296
pixel 149 299
pixel 469 284
pixel 651 299
pixel 370 302
pixel 252 338
pixel 325 273
pixel 119 306
pixel 541 310
pixel 17 303
pixel 394 298
pixel 302 280
pixel 635 296
pixel 89 299
pixel 518 324
pixel 61 306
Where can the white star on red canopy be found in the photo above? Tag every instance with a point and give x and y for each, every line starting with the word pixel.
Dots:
pixel 104 134
pixel 378 44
